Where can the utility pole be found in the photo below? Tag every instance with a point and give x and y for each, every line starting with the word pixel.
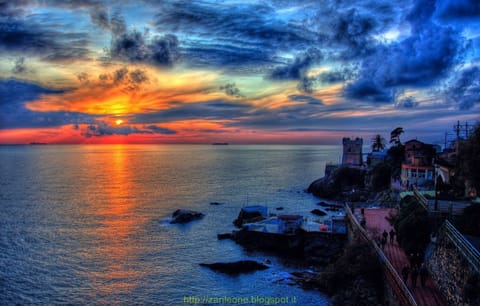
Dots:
pixel 445 142
pixel 457 129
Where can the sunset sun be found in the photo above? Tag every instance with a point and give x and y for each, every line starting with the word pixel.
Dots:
pixel 118 121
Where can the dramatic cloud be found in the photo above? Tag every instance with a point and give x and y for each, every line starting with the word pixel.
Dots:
pixel 298 68
pixel 354 31
pixel 231 89
pixel 411 62
pixel 14 94
pixel 19 66
pixel 212 110
pixel 232 34
pixel 192 68
pixel 306 99
pixel 458 9
pixel 408 102
pixel 136 48
pixel 336 76
pixel 121 78
pixel 23 36
pixel 369 90
pixel 464 90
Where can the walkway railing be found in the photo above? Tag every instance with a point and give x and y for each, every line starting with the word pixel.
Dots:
pixel 398 286
pixel 421 198
pixel 463 245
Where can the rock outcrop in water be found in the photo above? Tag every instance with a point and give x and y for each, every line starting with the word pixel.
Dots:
pixel 184 216
pixel 242 266
pixel 318 212
pixel 340 180
pixel 314 248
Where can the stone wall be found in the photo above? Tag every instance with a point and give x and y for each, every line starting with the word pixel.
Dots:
pixel 453 273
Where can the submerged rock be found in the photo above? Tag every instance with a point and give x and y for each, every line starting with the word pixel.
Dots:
pixel 216 203
pixel 318 212
pixel 225 236
pixel 242 266
pixel 184 216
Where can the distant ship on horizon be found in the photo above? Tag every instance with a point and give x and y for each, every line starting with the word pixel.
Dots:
pixel 220 144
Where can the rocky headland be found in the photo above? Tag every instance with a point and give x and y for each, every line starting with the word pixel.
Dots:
pixel 341 184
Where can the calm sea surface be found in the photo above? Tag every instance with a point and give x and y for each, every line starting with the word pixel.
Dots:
pixel 88 224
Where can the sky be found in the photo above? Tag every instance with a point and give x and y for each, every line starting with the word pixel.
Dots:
pixel 274 71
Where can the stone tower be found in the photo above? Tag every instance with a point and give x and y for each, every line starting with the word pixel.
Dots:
pixel 352 151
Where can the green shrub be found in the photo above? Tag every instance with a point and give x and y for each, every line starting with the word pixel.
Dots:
pixel 412 226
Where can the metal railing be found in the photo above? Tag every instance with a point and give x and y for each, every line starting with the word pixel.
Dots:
pixel 421 198
pixel 403 294
pixel 463 245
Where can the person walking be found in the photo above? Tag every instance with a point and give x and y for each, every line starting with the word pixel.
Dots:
pixel 405 272
pixel 384 242
pixel 385 234
pixel 413 277
pixel 423 274
pixel 392 236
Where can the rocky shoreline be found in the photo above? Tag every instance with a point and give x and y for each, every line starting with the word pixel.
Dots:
pixel 314 248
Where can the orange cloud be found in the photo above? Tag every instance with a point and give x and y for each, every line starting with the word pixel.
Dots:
pixel 130 91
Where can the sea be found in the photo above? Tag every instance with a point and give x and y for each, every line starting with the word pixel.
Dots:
pixel 89 224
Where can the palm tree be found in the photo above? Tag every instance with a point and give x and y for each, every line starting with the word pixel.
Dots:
pixel 378 143
pixel 395 136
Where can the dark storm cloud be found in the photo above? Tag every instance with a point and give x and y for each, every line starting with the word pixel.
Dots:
pixel 105 129
pixel 458 9
pixel 298 69
pixel 464 90
pixel 305 99
pixel 123 78
pixel 13 113
pixel 138 76
pixel 231 34
pixel 354 31
pixel 231 89
pixel 408 102
pixel 20 36
pixel 336 76
pixel 135 47
pixel 411 62
pixel 19 66
pixel 212 110
pixel 369 90
pixel 154 129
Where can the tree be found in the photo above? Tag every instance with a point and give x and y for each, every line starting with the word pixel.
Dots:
pixel 380 177
pixel 468 223
pixel 412 226
pixel 468 160
pixel 378 143
pixel 396 155
pixel 395 136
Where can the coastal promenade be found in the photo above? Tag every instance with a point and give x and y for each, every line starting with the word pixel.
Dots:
pixel 375 225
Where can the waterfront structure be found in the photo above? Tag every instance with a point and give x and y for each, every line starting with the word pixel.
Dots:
pixel 289 224
pixel 352 151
